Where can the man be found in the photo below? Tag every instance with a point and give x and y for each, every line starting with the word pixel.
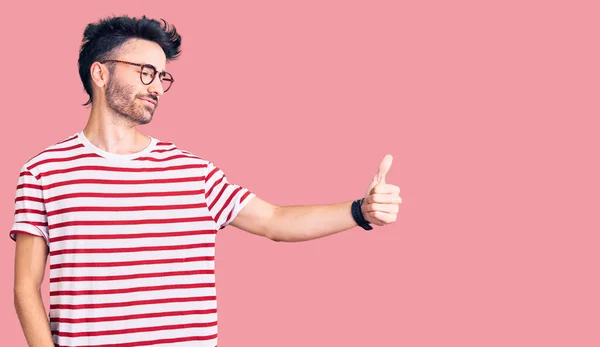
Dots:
pixel 129 222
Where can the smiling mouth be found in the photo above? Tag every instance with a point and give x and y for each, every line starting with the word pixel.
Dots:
pixel 149 101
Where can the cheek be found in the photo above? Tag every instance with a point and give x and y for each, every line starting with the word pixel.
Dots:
pixel 121 90
pixel 129 93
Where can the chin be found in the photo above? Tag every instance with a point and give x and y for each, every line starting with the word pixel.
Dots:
pixel 145 120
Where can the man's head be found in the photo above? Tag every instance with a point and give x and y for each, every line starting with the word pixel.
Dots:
pixel 122 63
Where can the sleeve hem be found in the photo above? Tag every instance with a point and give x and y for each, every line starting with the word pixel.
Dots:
pixel 26 228
pixel 238 208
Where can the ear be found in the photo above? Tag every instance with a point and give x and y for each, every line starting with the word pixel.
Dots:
pixel 99 74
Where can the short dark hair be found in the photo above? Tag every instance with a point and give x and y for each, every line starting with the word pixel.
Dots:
pixel 104 38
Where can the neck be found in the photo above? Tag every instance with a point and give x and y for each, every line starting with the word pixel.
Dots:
pixel 111 133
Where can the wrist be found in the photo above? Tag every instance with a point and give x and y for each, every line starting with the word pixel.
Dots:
pixel 358 216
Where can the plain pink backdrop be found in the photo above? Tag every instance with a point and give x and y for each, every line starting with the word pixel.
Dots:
pixel 491 110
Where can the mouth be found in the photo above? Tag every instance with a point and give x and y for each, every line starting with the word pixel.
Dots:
pixel 149 101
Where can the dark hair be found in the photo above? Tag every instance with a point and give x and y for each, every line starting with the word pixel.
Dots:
pixel 101 40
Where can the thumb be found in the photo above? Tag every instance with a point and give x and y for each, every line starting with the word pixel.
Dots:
pixel 384 167
pixel 374 182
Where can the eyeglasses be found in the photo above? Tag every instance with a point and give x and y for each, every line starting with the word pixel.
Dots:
pixel 148 73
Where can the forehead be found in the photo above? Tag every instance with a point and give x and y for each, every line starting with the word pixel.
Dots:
pixel 143 52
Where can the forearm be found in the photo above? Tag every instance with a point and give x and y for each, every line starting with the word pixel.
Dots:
pixel 32 315
pixel 302 223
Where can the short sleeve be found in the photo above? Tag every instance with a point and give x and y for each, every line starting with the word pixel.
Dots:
pixel 224 200
pixel 30 212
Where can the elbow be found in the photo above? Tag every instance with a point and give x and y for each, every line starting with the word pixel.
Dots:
pixel 272 235
pixel 270 224
pixel 24 297
pixel 18 300
pixel 19 297
pixel 283 237
pixel 25 291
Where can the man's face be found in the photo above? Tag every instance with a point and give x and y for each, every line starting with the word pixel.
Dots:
pixel 126 95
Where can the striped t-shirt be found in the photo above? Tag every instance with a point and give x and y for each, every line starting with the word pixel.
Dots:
pixel 131 241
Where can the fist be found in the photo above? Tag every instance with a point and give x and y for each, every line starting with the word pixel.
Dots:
pixel 382 201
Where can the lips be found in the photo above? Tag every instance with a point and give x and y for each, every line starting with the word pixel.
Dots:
pixel 149 101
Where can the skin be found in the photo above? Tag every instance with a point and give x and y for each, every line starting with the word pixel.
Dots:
pixel 118 107
pixel 30 262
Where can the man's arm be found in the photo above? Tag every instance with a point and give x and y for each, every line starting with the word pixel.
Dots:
pixel 293 223
pixel 302 223
pixel 30 263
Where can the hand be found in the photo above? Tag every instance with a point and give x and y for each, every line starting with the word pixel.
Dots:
pixel 382 201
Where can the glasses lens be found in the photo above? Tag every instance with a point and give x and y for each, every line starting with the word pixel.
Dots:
pixel 147 74
pixel 167 80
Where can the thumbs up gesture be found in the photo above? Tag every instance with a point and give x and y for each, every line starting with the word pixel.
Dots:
pixel 382 201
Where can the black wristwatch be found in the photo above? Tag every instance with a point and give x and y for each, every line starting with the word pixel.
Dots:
pixel 358 216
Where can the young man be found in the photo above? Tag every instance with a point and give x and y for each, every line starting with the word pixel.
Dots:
pixel 129 221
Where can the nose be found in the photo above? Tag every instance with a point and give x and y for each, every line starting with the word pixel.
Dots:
pixel 156 87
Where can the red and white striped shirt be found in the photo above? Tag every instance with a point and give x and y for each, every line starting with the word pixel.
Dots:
pixel 131 241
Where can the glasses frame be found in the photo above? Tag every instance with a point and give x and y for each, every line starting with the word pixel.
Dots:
pixel 162 75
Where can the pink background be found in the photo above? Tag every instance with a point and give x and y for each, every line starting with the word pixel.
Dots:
pixel 490 110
